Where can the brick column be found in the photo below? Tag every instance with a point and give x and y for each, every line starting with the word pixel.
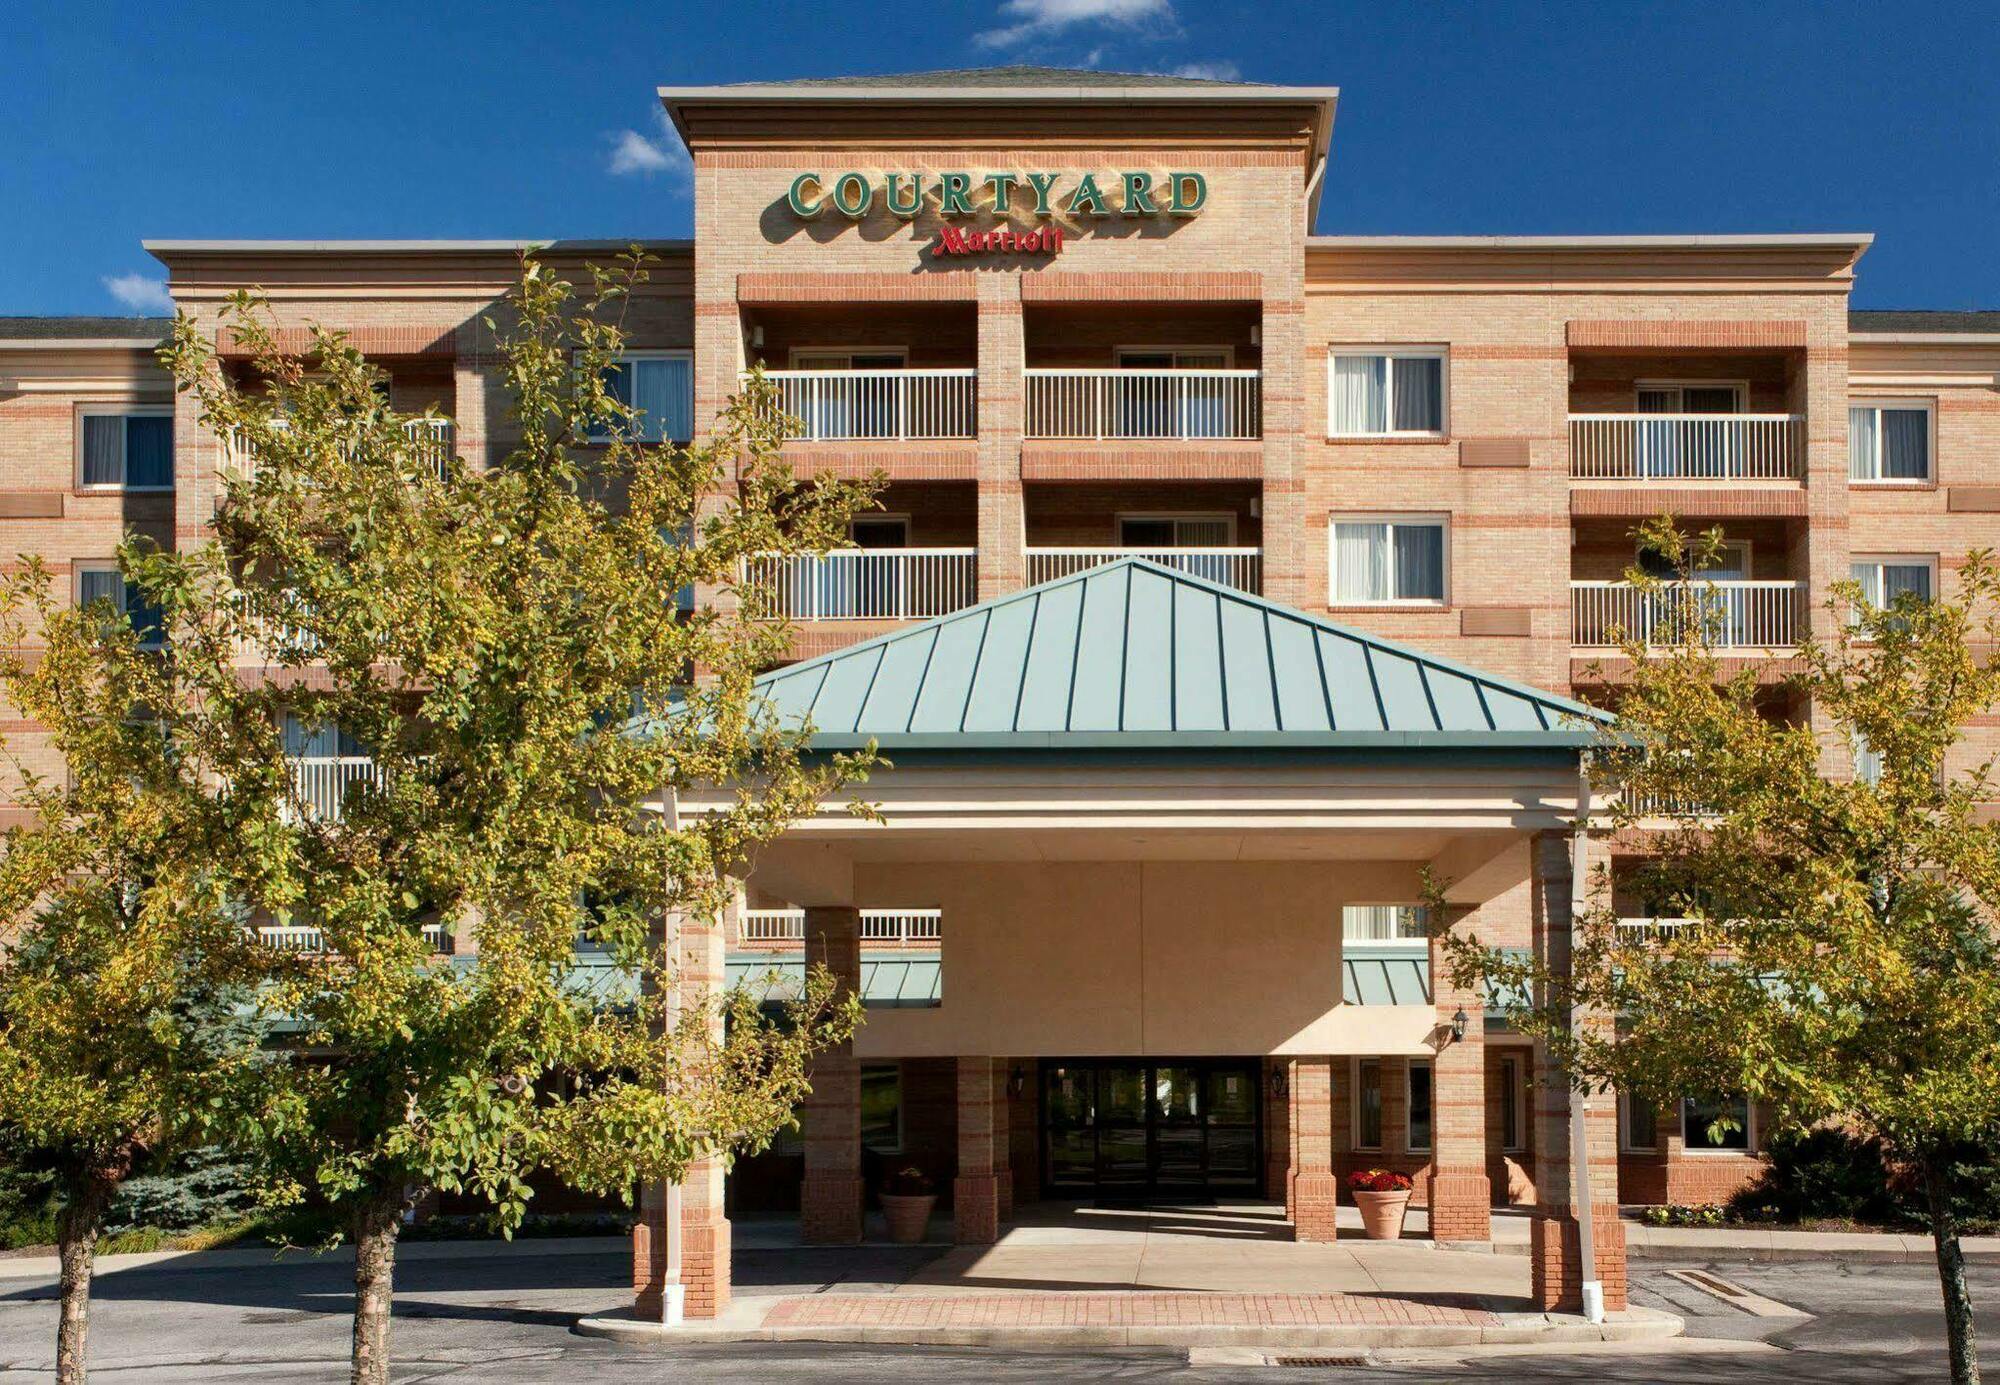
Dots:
pixel 1003 1140
pixel 830 1202
pixel 1001 519
pixel 1554 1239
pixel 704 1230
pixel 1277 1132
pixel 1312 1190
pixel 975 1193
pixel 1461 1193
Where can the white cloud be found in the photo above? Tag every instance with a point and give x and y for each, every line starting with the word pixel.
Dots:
pixel 1210 72
pixel 646 156
pixel 1030 19
pixel 140 294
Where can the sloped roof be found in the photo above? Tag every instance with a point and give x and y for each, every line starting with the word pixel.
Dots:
pixel 140 330
pixel 1010 75
pixel 1133 655
pixel 1923 320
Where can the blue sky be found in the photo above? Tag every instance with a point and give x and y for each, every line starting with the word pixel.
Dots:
pixel 442 118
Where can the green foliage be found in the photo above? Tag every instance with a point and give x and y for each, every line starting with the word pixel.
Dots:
pixel 203 1187
pixel 1825 1173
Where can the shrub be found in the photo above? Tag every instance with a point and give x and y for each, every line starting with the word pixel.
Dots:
pixel 908 1182
pixel 201 1188
pixel 1820 1174
pixel 27 1207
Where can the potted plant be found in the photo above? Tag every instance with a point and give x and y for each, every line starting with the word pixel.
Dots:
pixel 908 1195
pixel 1383 1195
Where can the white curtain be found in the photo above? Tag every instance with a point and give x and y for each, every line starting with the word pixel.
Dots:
pixel 103 450
pixel 1361 562
pixel 1360 400
pixel 100 584
pixel 1861 444
pixel 664 390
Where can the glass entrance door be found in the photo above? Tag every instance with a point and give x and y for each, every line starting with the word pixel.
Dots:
pixel 1118 1129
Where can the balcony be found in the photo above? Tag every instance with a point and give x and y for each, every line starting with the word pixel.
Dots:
pixel 305 938
pixel 865 584
pixel 432 439
pixel 1651 928
pixel 785 929
pixel 1738 614
pixel 320 783
pixel 1686 447
pixel 1128 405
pixel 1241 568
pixel 880 405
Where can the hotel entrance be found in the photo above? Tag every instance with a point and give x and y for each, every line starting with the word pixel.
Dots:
pixel 1129 1129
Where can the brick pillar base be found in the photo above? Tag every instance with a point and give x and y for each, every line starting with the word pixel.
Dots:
pixel 1461 1205
pixel 704 1261
pixel 975 1209
pixel 830 1210
pixel 1315 1196
pixel 1557 1258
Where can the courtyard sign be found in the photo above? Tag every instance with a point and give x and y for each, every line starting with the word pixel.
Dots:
pixel 854 194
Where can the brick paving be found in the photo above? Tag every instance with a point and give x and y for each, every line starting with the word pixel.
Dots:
pixel 1118 1310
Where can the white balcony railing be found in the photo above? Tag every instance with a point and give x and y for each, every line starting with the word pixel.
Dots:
pixel 880 404
pixel 306 938
pixel 900 927
pixel 1755 615
pixel 1652 927
pixel 433 439
pixel 866 584
pixel 320 782
pixel 1693 447
pixel 1241 568
pixel 1122 404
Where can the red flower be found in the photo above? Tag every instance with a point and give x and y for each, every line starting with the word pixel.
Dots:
pixel 1378 1181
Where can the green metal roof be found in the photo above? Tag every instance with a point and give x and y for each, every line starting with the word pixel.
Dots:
pixel 1133 654
pixel 1384 977
pixel 887 978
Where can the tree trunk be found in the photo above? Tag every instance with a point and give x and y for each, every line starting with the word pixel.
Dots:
pixel 375 1226
pixel 84 1201
pixel 1958 1328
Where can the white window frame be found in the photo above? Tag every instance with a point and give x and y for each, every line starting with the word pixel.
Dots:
pixel 1412 944
pixel 1741 388
pixel 1419 603
pixel 1354 1104
pixel 676 353
pixel 95 565
pixel 1928 407
pixel 1176 516
pixel 1881 560
pixel 1625 1144
pixel 118 411
pixel 1442 354
pixel 1176 350
pixel 1410 1068
pixel 1514 1100
pixel 1693 1151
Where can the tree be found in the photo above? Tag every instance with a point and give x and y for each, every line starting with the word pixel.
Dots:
pixel 125 971
pixel 500 659
pixel 1838 958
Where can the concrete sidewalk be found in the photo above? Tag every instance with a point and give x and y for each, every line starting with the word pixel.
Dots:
pixel 1758 1244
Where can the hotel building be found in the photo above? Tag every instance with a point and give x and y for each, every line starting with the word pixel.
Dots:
pixel 1226 576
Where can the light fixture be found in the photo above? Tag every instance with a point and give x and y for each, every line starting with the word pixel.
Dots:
pixel 757 336
pixel 1017 1080
pixel 1458 1023
pixel 1277 1082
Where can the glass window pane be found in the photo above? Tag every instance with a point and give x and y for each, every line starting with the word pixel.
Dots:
pixel 1641 1124
pixel 1861 444
pixel 1419 394
pixel 882 1107
pixel 1420 1106
pixel 1699 1120
pixel 664 390
pixel 1419 562
pixel 1906 444
pixel 1368 1106
pixel 1510 1104
pixel 145 617
pixel 149 451
pixel 1361 562
pixel 100 584
pixel 103 450
pixel 1360 399
pixel 1898 578
pixel 1869 576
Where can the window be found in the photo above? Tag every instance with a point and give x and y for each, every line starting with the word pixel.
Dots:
pixel 1889 442
pixel 1513 1096
pixel 1638 1124
pixel 1867 761
pixel 882 1107
pixel 660 385
pixel 1884 577
pixel 1699 1120
pixel 1386 394
pixel 1176 531
pixel 1387 560
pixel 320 741
pixel 102 582
pixel 1384 923
pixel 1420 1104
pixel 1368 1104
pixel 1689 396
pixel 125 449
pixel 866 406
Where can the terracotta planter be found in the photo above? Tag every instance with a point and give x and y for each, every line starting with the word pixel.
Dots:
pixel 909 1217
pixel 1382 1214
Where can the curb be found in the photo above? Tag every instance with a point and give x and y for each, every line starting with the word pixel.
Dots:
pixel 1513 1329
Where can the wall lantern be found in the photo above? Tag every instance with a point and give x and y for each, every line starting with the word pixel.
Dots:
pixel 1277 1082
pixel 1017 1080
pixel 1458 1023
